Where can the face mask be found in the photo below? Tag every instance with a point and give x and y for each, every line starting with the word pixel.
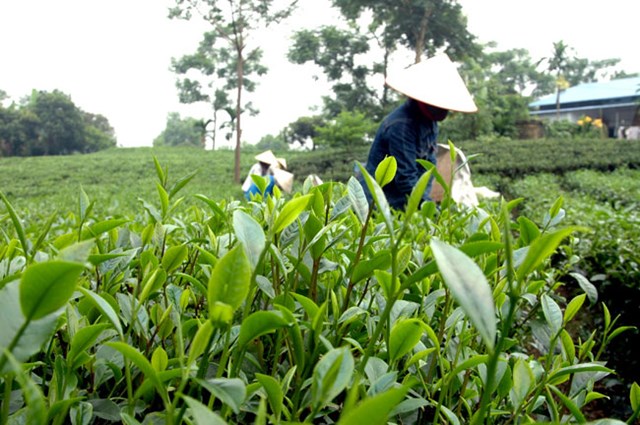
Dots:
pixel 433 112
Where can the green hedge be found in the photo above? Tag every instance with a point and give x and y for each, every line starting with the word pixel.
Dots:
pixel 513 158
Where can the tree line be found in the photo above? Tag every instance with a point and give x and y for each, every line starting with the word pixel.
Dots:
pixel 49 123
pixel 351 54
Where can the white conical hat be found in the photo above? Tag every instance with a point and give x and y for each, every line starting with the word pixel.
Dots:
pixel 435 81
pixel 267 157
pixel 284 179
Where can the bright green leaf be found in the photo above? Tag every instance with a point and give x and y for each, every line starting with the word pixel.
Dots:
pixel 290 212
pixel 405 334
pixel 274 392
pixel 386 171
pixel 46 287
pixel 541 249
pixel 229 283
pixel 83 340
pixel 374 410
pixel 174 257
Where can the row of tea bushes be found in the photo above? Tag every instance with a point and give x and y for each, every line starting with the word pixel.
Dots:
pixel 315 308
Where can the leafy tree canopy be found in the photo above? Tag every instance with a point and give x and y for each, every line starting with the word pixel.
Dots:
pixel 49 123
pixel 180 132
pixel 224 57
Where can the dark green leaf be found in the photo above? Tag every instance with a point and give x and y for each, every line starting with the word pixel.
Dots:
pixel 259 323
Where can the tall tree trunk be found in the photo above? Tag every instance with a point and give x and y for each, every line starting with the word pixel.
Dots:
pixel 421 32
pixel 238 114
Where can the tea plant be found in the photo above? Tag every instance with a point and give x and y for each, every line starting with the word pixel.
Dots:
pixel 320 308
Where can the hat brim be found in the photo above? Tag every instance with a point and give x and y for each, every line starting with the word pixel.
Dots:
pixel 435 81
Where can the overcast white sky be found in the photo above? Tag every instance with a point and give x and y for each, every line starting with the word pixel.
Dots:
pixel 113 56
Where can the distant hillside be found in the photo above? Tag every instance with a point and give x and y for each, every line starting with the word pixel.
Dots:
pixel 117 178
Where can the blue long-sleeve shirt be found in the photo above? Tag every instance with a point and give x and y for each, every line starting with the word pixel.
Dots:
pixel 407 135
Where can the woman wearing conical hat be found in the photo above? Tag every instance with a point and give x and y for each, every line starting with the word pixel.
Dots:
pixel 433 88
pixel 271 168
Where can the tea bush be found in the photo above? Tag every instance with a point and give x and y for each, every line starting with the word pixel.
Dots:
pixel 318 308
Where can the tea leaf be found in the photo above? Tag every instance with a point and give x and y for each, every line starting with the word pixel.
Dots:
pixel 101 227
pixel 274 392
pixel 405 334
pixel 386 170
pixel 152 283
pixel 556 375
pixel 81 413
pixel 250 233
pixel 129 420
pixel 162 174
pixel 229 284
pixel 417 194
pixel 36 407
pixel 573 307
pixel 104 307
pixel 541 249
pixel 310 307
pixel 569 404
pixel 45 287
pixel 180 183
pixel 374 410
pixel 587 287
pixel 567 345
pixel 552 313
pixel 528 231
pixel 365 268
pixel 159 359
pixel 634 396
pixel 201 413
pixel 315 235
pixel 231 391
pixel 174 257
pixel 141 362
pixel 259 323
pixel 164 199
pixel 33 337
pixel 523 379
pixel 469 288
pixel 379 198
pixel 83 340
pixel 17 224
pixel 295 335
pixel 358 199
pixel 199 342
pixel 331 375
pixel 290 212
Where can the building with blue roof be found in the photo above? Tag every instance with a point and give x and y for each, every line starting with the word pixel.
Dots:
pixel 615 102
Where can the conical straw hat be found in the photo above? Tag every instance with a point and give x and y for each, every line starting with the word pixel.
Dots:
pixel 435 81
pixel 284 179
pixel 267 157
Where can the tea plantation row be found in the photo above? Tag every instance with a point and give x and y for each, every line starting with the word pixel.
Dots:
pixel 142 303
